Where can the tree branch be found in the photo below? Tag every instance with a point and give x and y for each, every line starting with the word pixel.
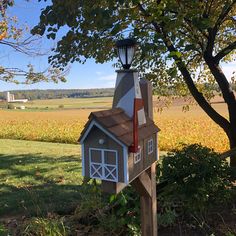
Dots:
pixel 225 51
pixel 222 81
pixel 224 14
pixel 212 113
pixel 202 102
pixel 48 75
pixel 213 31
pixel 24 46
pixel 194 37
pixel 208 11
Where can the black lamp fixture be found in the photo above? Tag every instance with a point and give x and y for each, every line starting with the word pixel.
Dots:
pixel 126 50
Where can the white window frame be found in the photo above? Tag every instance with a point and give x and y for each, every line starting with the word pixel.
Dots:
pixel 138 156
pixel 150 146
pixel 103 165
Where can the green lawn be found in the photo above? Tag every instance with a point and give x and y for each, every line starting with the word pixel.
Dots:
pixel 68 103
pixel 37 177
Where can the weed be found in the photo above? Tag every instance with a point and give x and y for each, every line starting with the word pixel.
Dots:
pixel 45 227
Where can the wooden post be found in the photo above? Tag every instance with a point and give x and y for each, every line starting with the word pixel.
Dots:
pixel 145 185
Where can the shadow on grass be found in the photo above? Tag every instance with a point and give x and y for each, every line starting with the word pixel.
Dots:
pixel 37 184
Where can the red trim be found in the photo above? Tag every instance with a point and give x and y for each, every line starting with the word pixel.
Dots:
pixel 138 105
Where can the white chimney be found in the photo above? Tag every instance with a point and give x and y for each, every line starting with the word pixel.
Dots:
pixel 146 90
pixel 127 89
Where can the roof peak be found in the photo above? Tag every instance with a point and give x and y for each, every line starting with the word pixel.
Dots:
pixel 117 123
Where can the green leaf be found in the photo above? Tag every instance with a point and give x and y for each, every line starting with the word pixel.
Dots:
pixel 51 35
pixel 175 54
pixel 173 72
pixel 116 29
pixel 202 23
pixel 112 198
pixel 189 47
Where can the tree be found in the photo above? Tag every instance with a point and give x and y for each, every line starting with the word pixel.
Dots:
pixel 12 36
pixel 180 42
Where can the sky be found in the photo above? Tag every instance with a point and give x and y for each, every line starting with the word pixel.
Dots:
pixel 88 75
pixel 80 76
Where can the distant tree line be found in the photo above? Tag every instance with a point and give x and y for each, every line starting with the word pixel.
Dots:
pixel 103 92
pixel 59 93
pixel 170 90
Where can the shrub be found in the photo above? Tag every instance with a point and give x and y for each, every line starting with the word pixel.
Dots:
pixel 61 106
pixel 197 179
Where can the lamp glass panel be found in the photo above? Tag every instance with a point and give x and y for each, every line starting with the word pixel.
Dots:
pixel 122 55
pixel 130 52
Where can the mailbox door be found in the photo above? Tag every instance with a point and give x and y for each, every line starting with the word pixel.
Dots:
pixel 103 164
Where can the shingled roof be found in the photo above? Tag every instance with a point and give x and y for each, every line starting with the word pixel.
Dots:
pixel 116 122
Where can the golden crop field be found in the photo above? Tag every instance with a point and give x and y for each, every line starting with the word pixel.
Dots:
pixel 65 126
pixel 189 127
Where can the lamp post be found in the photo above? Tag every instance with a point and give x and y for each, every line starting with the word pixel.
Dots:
pixel 127 92
pixel 128 97
pixel 126 49
pixel 127 82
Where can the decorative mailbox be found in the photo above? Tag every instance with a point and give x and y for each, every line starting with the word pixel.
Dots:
pixel 120 143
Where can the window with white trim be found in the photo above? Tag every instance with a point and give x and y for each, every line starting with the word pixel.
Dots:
pixel 138 156
pixel 150 146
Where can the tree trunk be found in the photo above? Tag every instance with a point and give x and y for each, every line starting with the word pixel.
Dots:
pixel 230 100
pixel 233 156
pixel 232 137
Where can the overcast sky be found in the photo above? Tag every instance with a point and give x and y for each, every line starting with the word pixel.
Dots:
pixel 89 75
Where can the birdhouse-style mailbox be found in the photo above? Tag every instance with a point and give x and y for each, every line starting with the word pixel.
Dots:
pixel 120 143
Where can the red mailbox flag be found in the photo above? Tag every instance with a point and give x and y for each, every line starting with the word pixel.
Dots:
pixel 138 116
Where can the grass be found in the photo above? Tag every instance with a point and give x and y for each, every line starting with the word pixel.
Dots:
pixel 36 177
pixel 42 226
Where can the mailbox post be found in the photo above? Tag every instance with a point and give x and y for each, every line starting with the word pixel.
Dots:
pixel 119 145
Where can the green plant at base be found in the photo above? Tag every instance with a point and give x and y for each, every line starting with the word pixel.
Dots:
pixel 116 214
pixel 126 210
pixel 91 201
pixel 197 179
pixel 3 230
pixel 167 217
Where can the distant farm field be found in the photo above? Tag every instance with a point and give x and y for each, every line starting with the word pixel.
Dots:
pixel 193 126
pixel 70 103
pixel 65 125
